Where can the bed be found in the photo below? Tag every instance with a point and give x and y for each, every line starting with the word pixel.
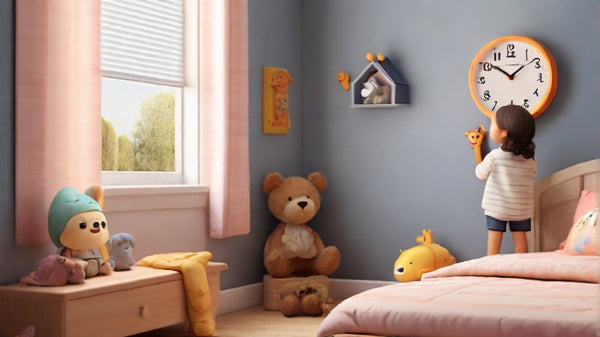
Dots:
pixel 546 292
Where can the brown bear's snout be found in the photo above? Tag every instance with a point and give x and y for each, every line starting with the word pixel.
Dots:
pixel 302 204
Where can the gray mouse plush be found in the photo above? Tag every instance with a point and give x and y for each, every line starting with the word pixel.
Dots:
pixel 120 247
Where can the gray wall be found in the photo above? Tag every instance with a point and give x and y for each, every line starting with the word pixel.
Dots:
pixel 14 261
pixel 274 35
pixel 392 172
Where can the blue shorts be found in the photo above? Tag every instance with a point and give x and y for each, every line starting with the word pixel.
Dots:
pixel 515 226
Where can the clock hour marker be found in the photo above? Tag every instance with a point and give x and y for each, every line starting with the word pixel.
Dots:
pixel 486 95
pixel 510 50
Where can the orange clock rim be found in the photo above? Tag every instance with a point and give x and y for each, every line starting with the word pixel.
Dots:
pixel 543 104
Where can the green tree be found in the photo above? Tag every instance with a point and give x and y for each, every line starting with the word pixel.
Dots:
pixel 109 147
pixel 154 134
pixel 126 157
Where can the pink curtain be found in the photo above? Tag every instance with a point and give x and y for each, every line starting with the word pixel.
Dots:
pixel 57 107
pixel 224 160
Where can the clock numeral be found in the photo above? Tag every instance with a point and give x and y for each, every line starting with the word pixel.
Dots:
pixel 540 79
pixel 526 55
pixel 526 103
pixel 536 92
pixel 495 104
pixel 497 56
pixel 486 95
pixel 487 66
pixel 537 63
pixel 510 50
pixel 481 80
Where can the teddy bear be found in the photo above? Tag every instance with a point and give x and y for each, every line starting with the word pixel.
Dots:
pixel 293 248
pixel 78 227
pixel 305 297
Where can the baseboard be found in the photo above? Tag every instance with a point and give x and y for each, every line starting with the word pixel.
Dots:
pixel 251 295
pixel 344 288
pixel 239 298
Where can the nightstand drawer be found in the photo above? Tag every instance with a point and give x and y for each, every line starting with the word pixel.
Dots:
pixel 128 311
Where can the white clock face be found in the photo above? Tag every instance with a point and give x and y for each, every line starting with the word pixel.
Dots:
pixel 511 72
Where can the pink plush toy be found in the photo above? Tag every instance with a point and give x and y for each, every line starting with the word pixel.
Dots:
pixel 55 270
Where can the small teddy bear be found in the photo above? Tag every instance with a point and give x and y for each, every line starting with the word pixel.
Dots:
pixel 305 297
pixel 293 248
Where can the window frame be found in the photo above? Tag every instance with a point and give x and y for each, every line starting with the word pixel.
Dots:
pixel 186 122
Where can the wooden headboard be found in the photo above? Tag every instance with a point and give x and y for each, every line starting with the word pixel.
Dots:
pixel 556 197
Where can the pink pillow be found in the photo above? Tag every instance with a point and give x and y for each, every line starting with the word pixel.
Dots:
pixel 584 236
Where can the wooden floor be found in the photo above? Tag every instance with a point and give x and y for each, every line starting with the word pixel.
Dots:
pixel 257 321
pixel 252 322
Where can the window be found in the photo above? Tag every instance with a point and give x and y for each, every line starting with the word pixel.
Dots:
pixel 57 78
pixel 149 92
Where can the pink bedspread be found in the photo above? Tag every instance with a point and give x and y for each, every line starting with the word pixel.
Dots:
pixel 545 266
pixel 536 294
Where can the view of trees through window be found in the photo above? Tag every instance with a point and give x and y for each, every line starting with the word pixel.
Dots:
pixel 138 126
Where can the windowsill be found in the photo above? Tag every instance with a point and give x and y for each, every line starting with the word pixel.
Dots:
pixel 154 197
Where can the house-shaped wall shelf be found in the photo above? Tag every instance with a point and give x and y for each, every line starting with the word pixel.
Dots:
pixel 380 79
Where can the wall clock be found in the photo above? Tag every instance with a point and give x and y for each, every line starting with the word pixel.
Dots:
pixel 513 69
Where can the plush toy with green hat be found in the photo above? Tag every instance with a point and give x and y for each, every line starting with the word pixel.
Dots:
pixel 78 227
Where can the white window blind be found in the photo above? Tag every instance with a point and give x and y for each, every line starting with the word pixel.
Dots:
pixel 142 40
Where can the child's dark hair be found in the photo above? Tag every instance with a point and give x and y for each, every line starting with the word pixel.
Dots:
pixel 520 127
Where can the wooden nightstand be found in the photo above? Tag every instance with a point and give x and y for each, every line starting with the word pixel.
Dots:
pixel 120 304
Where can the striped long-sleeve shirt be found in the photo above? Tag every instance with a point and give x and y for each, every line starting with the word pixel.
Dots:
pixel 508 193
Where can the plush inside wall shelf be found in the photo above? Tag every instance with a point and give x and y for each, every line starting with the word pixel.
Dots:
pixel 379 85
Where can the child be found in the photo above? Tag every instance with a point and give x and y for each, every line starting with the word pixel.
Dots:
pixel 510 172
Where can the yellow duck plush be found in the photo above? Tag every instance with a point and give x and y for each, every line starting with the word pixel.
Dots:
pixel 420 259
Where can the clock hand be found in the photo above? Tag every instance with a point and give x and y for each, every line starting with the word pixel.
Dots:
pixel 502 71
pixel 521 67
